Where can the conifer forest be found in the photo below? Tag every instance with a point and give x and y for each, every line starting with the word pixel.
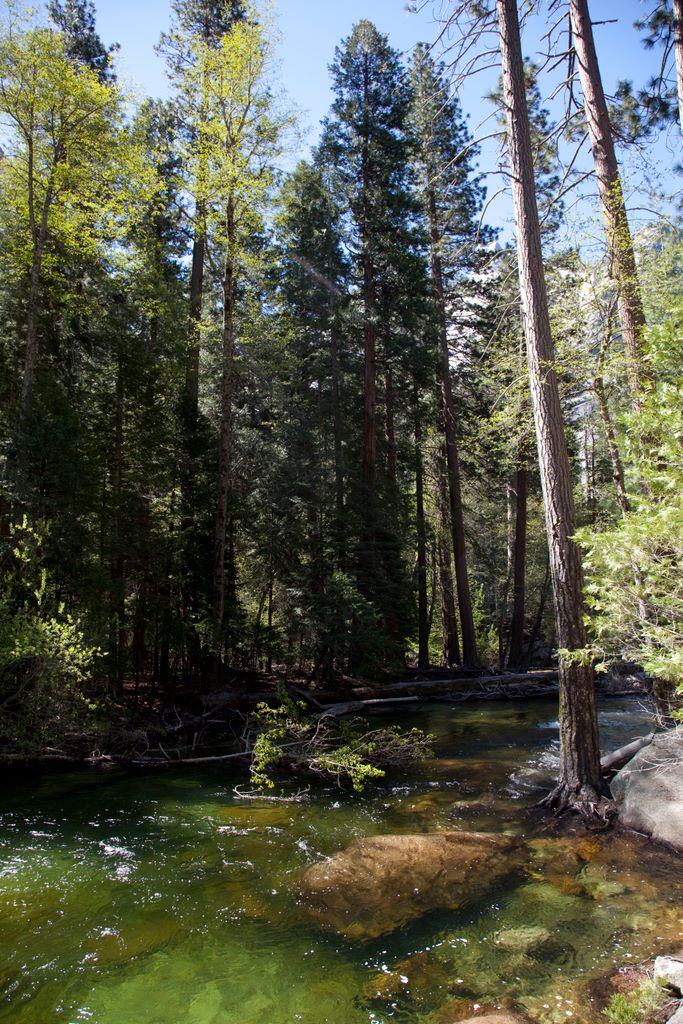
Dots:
pixel 328 461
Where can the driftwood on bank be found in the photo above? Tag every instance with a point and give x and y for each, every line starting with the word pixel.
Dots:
pixel 490 687
pixel 469 683
pixel 365 707
pixel 613 762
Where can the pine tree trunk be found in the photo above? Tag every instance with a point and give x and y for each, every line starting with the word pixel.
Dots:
pixel 516 652
pixel 612 446
pixel 540 612
pixel 225 428
pixel 117 566
pixel 678 53
pixel 196 296
pixel 619 239
pixel 469 643
pixel 369 319
pixel 421 530
pixel 451 644
pixel 390 429
pixel 579 784
pixel 338 448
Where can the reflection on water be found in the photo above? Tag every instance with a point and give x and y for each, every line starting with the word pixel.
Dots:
pixel 163 899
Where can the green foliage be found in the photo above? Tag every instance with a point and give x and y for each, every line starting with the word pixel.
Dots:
pixel 633 568
pixel 45 659
pixel 638 1007
pixel 345 751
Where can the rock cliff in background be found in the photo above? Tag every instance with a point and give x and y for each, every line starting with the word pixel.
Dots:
pixel 379 883
pixel 649 789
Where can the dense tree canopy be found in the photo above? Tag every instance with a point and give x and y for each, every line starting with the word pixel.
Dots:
pixel 264 422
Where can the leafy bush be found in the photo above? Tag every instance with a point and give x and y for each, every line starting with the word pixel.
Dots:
pixel 634 586
pixel 44 656
pixel 344 751
pixel 638 1007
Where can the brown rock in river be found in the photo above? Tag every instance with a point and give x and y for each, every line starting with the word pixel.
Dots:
pixel 497 1018
pixel 379 883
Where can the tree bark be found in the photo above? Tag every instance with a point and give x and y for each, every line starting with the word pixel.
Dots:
pixel 196 296
pixel 579 784
pixel 421 530
pixel 390 429
pixel 451 644
pixel 469 643
pixel 516 652
pixel 612 446
pixel 117 630
pixel 619 239
pixel 338 446
pixel 678 54
pixel 369 319
pixel 225 428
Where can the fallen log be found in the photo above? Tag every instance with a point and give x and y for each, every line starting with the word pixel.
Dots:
pixel 611 763
pixel 448 685
pixel 360 707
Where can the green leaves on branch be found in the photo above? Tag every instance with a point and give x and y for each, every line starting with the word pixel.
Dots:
pixel 634 588
pixel 345 752
pixel 45 659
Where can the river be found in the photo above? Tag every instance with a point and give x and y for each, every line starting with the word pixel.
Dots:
pixel 162 898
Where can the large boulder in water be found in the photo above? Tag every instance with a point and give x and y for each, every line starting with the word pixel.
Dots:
pixel 649 789
pixel 381 882
pixel 496 1018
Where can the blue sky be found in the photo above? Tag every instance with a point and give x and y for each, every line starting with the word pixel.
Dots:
pixel 310 31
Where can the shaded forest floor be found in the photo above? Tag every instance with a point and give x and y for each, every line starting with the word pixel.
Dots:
pixel 143 726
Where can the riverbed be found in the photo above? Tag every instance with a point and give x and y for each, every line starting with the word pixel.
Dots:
pixel 163 898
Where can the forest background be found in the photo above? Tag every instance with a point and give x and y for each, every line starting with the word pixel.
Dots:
pixel 263 415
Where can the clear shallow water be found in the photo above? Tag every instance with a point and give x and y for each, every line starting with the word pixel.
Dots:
pixel 163 899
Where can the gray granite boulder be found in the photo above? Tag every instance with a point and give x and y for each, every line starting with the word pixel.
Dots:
pixel 649 789
pixel 670 970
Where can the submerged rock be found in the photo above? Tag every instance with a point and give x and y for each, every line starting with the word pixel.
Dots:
pixel 526 939
pixel 497 1018
pixel 458 1011
pixel 649 789
pixel 379 883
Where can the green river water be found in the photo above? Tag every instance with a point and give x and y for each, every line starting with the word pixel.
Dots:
pixel 161 898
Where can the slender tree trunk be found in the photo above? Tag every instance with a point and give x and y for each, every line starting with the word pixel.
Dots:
pixel 196 297
pixel 451 644
pixel 369 319
pixel 612 446
pixel 504 615
pixel 389 425
pixel 579 784
pixel 617 467
pixel 32 314
pixel 269 657
pixel 421 530
pixel 338 445
pixel 225 428
pixel 678 54
pixel 118 558
pixel 516 652
pixel 619 239
pixel 589 466
pixel 469 643
pixel 38 226
pixel 538 621
pixel 370 377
